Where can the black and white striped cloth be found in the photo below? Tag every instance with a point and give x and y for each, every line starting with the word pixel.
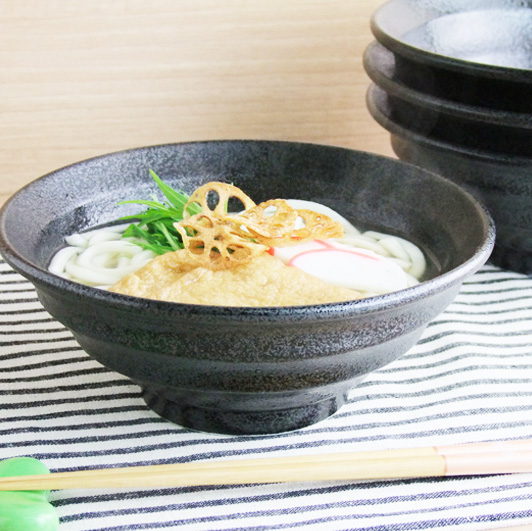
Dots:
pixel 469 379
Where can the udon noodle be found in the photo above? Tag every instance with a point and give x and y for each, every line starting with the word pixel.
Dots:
pixel 102 257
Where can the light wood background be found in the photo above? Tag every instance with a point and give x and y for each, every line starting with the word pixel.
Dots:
pixel 82 78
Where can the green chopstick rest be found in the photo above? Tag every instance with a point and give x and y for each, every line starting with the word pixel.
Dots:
pixel 26 510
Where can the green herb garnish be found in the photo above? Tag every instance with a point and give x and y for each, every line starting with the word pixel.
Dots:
pixel 155 229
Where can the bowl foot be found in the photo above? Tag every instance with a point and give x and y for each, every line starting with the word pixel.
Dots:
pixel 240 422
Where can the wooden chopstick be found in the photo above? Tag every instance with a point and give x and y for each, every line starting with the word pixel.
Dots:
pixel 466 459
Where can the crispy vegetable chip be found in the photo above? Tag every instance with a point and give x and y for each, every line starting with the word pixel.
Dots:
pixel 219 240
pixel 214 245
pixel 317 226
pixel 223 192
pixel 271 219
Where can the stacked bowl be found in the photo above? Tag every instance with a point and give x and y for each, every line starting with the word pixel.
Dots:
pixel 452 83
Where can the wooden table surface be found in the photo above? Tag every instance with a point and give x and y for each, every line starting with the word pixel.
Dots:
pixel 78 79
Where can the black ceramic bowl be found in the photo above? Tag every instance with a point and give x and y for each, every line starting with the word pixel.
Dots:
pixel 248 370
pixel 501 182
pixel 477 52
pixel 441 119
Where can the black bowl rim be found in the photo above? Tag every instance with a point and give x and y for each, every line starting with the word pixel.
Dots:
pixel 398 46
pixel 330 311
pixel 379 74
pixel 397 129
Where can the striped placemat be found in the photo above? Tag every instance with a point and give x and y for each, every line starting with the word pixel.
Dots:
pixel 469 379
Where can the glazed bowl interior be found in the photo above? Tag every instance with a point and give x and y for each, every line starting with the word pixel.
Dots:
pixel 488 64
pixel 88 194
pixel 248 370
pixel 498 37
pixel 477 35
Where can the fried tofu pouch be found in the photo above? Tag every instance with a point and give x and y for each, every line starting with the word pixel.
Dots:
pixel 225 260
pixel 265 281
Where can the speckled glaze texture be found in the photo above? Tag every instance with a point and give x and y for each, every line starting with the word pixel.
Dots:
pixel 476 52
pixel 442 119
pixel 248 370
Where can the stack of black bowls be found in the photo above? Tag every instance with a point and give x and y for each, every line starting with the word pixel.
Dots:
pixel 452 83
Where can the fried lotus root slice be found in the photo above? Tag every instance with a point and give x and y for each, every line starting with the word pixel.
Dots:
pixel 270 219
pixel 315 226
pixel 215 245
pixel 224 193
